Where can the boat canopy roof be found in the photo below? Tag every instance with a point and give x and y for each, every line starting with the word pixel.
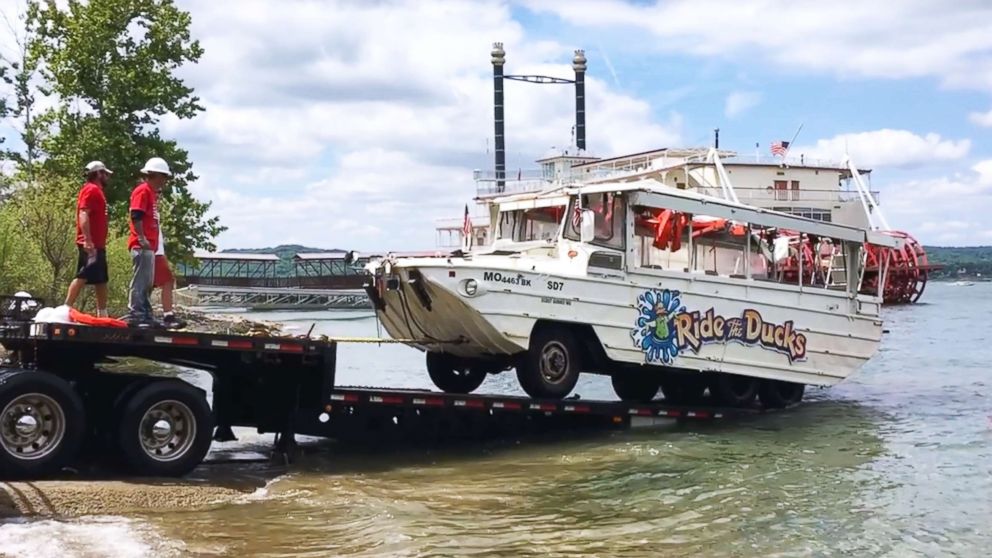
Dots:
pixel 654 194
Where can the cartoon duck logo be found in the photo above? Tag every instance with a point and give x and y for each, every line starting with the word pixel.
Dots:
pixel 655 332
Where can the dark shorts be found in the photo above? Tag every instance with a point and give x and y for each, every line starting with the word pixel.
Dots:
pixel 95 272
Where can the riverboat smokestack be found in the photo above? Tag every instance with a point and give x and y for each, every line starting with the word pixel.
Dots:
pixel 716 138
pixel 579 65
pixel 499 59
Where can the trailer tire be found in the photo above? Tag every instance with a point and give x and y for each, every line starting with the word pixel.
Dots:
pixel 452 376
pixel 635 386
pixel 165 429
pixel 41 423
pixel 550 368
pixel 776 394
pixel 733 390
pixel 683 390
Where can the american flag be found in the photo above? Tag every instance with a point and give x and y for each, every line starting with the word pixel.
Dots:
pixel 577 215
pixel 467 229
pixel 779 148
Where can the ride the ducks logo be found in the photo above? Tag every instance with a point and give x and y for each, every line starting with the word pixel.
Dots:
pixel 664 328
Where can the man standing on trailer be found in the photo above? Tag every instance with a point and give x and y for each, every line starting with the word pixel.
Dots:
pixel 143 239
pixel 91 238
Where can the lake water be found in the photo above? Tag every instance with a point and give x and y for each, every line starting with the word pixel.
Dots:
pixel 897 461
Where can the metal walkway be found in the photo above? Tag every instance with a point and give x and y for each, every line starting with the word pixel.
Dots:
pixel 258 298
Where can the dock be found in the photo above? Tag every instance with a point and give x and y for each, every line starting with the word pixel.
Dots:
pixel 309 281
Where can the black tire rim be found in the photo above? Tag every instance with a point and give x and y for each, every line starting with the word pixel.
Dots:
pixel 554 362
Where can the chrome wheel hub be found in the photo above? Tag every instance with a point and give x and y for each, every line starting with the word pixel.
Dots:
pixel 167 430
pixel 32 426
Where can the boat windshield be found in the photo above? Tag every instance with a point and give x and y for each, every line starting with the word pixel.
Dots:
pixel 524 225
pixel 609 212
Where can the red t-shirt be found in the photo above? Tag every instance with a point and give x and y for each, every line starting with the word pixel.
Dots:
pixel 143 199
pixel 92 199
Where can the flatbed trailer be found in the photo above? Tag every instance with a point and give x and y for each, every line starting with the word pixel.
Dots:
pixel 58 404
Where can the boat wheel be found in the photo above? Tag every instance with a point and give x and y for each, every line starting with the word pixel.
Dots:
pixel 453 375
pixel 733 390
pixel 550 368
pixel 775 394
pixel 635 386
pixel 683 390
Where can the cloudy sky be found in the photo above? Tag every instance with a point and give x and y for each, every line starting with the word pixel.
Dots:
pixel 358 123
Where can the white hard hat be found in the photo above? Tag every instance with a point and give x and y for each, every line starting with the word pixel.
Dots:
pixel 93 166
pixel 156 164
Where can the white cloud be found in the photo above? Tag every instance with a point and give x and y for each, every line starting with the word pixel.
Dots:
pixel 924 38
pixel 886 147
pixel 740 102
pixel 355 124
pixel 984 170
pixel 950 210
pixel 981 118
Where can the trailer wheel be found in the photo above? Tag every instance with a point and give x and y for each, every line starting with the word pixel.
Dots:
pixel 734 390
pixel 683 390
pixel 41 423
pixel 550 368
pixel 452 376
pixel 635 386
pixel 165 429
pixel 776 394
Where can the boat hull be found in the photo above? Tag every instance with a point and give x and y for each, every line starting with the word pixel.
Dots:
pixel 692 322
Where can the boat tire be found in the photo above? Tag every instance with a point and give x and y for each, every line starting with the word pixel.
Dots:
pixel 733 390
pixel 452 376
pixel 550 368
pixel 165 429
pixel 776 394
pixel 634 386
pixel 41 423
pixel 683 390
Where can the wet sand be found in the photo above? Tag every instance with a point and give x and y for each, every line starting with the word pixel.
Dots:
pixel 67 498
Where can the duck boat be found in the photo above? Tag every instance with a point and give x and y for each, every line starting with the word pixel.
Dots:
pixel 662 289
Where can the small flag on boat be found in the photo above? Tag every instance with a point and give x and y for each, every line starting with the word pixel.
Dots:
pixel 780 148
pixel 467 229
pixel 577 216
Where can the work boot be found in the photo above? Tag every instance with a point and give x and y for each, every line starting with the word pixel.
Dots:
pixel 172 322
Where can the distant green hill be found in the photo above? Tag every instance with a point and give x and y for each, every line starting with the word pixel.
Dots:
pixel 285 252
pixel 961 261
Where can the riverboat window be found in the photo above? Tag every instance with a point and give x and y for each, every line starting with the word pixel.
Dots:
pixel 609 217
pixel 781 190
pixel 531 224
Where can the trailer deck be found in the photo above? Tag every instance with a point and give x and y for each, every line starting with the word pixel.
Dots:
pixel 56 399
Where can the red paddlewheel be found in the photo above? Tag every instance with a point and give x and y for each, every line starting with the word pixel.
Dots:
pixel 908 267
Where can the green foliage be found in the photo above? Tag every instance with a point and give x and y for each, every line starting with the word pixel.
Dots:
pixel 110 66
pixel 45 214
pixel 968 261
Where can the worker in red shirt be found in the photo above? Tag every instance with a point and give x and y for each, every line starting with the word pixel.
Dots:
pixel 91 238
pixel 143 239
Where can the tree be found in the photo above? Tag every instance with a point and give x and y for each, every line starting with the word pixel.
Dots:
pixel 111 66
pixel 46 216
